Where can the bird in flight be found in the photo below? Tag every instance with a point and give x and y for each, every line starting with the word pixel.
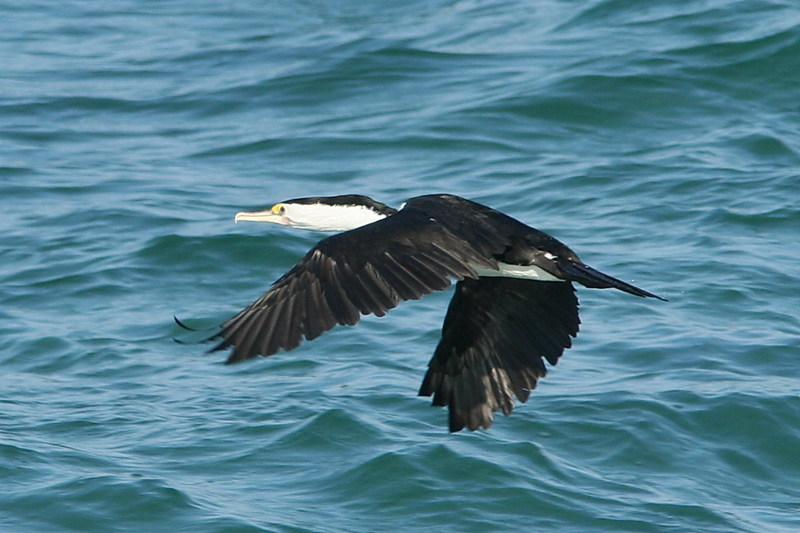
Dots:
pixel 514 304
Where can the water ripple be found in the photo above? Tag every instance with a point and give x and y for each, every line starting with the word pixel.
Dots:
pixel 660 140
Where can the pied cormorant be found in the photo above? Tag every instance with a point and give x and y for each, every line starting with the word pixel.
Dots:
pixel 514 304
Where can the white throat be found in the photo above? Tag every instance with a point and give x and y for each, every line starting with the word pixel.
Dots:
pixel 322 217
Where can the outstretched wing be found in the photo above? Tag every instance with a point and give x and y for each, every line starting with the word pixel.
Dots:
pixel 366 270
pixel 495 338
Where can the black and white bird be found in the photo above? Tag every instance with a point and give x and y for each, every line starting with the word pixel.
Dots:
pixel 514 304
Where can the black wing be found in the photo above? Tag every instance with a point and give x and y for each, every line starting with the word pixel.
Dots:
pixel 495 337
pixel 366 270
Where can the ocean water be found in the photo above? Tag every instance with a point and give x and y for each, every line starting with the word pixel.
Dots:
pixel 660 140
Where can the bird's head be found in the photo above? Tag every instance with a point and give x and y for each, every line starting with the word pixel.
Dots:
pixel 325 213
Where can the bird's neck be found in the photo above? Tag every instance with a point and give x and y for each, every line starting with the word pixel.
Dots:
pixel 335 218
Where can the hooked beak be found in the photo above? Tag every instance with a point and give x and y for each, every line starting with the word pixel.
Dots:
pixel 262 216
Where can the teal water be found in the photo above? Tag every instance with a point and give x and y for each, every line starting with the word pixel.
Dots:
pixel 660 140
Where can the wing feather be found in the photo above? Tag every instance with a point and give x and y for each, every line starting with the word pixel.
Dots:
pixel 495 338
pixel 369 270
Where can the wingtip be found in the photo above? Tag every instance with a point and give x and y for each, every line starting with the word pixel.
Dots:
pixel 182 324
pixel 234 357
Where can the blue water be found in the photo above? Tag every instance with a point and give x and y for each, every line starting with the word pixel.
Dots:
pixel 660 140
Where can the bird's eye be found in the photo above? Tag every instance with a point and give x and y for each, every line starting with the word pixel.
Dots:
pixel 282 210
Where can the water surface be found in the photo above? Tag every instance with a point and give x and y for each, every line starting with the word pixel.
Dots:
pixel 660 140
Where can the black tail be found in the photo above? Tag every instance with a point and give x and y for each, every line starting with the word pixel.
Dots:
pixel 589 277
